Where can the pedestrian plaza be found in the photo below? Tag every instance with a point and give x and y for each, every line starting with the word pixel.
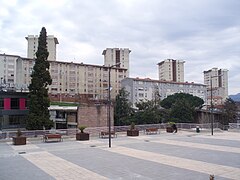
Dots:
pixel 183 155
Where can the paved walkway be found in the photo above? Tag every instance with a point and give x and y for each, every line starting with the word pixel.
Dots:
pixel 183 155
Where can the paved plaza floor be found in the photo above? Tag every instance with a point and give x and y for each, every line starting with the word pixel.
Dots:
pixel 181 156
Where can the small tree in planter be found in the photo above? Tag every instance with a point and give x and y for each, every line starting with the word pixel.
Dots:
pixel 171 126
pixel 133 131
pixel 82 136
pixel 19 139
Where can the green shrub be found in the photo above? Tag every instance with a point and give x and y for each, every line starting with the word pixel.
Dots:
pixel 132 127
pixel 81 128
pixel 19 133
pixel 171 123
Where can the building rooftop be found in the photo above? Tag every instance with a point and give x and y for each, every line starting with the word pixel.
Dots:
pixel 161 81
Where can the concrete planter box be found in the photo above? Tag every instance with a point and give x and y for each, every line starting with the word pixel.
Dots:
pixel 21 140
pixel 132 132
pixel 82 136
pixel 169 129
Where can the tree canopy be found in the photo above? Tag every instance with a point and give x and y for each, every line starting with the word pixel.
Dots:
pixel 148 112
pixel 181 111
pixel 122 109
pixel 182 106
pixel 229 111
pixel 38 89
pixel 192 101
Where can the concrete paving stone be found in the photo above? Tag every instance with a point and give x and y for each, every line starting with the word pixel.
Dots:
pixel 143 157
pixel 211 141
pixel 218 157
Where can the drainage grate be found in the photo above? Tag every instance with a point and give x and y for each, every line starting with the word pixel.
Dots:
pixel 22 152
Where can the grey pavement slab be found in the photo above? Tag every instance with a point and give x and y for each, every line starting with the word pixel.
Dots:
pixel 143 157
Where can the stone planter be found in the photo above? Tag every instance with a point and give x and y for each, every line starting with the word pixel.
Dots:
pixel 169 129
pixel 82 136
pixel 132 132
pixel 21 140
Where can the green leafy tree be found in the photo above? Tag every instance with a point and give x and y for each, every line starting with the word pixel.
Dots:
pixel 122 108
pixel 193 101
pixel 145 105
pixel 181 111
pixel 229 112
pixel 182 106
pixel 38 89
pixel 148 112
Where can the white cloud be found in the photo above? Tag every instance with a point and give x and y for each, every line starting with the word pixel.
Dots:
pixel 204 33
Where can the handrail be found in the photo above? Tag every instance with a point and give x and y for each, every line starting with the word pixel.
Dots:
pixel 94 131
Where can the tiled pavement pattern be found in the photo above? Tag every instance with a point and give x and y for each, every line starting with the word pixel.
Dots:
pixel 183 155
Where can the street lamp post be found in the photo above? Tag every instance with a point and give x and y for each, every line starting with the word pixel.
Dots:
pixel 211 86
pixel 211 106
pixel 109 102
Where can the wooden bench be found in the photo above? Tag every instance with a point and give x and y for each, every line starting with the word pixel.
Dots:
pixel 47 137
pixel 104 134
pixel 151 130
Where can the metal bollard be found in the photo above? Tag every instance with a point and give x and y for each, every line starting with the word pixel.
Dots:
pixel 211 177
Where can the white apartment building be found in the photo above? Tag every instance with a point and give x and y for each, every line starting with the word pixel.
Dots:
pixel 114 56
pixel 171 70
pixel 8 69
pixel 33 46
pixel 145 89
pixel 70 79
pixel 219 89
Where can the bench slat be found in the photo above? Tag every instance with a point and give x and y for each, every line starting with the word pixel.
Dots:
pixel 46 137
pixel 103 134
pixel 151 130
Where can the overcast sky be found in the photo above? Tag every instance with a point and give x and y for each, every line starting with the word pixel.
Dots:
pixel 204 33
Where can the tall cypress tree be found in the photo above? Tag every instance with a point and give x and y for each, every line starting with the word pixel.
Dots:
pixel 38 89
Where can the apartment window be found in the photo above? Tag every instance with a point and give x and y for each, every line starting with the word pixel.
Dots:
pixel 54 89
pixel 140 94
pixel 14 103
pixel 60 114
pixel 10 80
pixel 27 103
pixel 90 74
pixel 10 66
pixel 14 120
pixel 72 72
pixel 1 103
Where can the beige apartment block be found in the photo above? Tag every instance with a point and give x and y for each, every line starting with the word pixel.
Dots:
pixel 171 70
pixel 8 70
pixel 114 56
pixel 75 81
pixel 33 46
pixel 219 88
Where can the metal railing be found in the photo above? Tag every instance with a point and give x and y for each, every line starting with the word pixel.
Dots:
pixel 94 131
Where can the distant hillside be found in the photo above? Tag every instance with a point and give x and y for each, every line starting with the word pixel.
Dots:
pixel 235 97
